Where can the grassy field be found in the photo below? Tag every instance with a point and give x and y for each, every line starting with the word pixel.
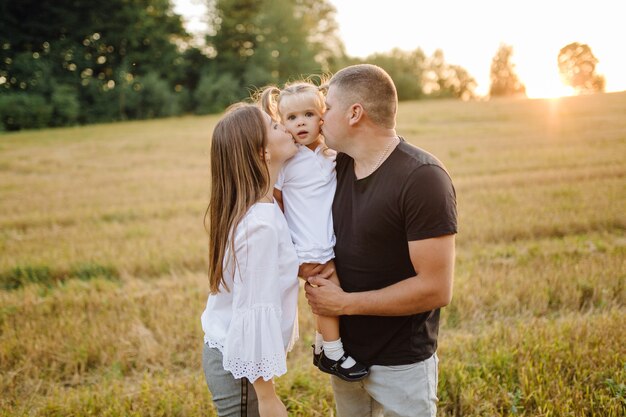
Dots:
pixel 102 265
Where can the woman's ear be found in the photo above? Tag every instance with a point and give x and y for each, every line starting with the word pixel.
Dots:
pixel 356 113
pixel 266 156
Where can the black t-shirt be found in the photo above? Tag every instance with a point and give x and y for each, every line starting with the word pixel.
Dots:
pixel 409 197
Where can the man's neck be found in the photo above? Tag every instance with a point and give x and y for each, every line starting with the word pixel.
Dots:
pixel 371 151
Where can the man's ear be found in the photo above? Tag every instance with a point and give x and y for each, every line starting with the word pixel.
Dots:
pixel 356 113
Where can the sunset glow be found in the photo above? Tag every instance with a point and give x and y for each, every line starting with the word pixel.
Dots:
pixel 469 33
pixel 540 84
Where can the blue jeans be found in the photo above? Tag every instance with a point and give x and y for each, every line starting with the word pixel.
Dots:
pixel 232 397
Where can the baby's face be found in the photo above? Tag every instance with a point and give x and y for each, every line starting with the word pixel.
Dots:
pixel 303 120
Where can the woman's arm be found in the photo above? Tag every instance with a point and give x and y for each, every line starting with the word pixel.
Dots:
pixel 269 403
pixel 254 346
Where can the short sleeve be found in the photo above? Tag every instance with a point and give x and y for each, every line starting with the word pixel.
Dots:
pixel 254 345
pixel 429 203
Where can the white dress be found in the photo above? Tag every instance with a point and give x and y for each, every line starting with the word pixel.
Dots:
pixel 255 323
pixel 308 182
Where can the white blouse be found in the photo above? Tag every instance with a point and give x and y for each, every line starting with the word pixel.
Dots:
pixel 308 182
pixel 255 322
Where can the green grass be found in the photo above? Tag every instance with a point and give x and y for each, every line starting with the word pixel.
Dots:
pixel 24 275
pixel 102 265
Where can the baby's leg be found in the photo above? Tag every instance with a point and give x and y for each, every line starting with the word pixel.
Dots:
pixel 329 354
pixel 328 326
pixel 305 271
pixel 332 358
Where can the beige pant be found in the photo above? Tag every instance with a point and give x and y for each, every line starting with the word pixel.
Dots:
pixel 390 391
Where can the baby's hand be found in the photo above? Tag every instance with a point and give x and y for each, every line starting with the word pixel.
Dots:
pixel 308 270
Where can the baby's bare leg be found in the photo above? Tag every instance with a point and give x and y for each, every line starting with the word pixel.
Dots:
pixel 329 352
pixel 328 326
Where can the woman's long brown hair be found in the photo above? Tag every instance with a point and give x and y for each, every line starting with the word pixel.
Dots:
pixel 239 178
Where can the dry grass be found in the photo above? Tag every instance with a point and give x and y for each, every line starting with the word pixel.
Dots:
pixel 102 264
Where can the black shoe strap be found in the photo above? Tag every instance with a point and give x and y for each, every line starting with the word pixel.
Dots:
pixel 341 360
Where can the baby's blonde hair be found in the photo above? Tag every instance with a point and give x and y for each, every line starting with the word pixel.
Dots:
pixel 271 96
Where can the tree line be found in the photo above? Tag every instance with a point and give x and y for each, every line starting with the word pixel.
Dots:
pixel 576 65
pixel 66 62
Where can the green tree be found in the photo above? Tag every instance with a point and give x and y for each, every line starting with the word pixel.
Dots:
pixel 318 21
pixel 64 100
pixel 88 47
pixel 405 68
pixel 215 92
pixel 90 40
pixel 233 39
pixel 461 84
pixel 442 80
pixel 271 41
pixel 23 110
pixel 577 67
pixel 504 80
pixel 282 48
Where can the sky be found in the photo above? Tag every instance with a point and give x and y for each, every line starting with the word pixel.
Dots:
pixel 470 31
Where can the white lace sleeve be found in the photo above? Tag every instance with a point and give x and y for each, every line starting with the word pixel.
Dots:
pixel 254 344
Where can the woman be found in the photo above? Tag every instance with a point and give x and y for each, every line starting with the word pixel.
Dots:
pixel 250 320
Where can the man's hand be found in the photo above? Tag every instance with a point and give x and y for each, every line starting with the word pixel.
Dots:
pixel 431 288
pixel 325 297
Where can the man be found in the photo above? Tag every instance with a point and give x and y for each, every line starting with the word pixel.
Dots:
pixel 395 222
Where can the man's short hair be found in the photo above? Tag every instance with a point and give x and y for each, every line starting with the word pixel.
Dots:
pixel 370 86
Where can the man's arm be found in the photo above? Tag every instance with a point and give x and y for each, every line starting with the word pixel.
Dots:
pixel 431 288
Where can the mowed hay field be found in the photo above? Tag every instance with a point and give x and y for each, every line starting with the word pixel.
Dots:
pixel 102 265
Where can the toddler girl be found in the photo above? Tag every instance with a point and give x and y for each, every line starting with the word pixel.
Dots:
pixel 305 189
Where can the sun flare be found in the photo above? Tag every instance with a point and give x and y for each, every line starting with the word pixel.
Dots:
pixel 543 82
pixel 549 91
